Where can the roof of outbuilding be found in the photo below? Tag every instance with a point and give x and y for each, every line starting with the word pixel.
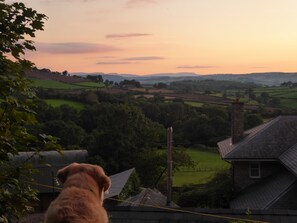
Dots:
pixel 48 163
pixel 54 158
pixel 148 197
pixel 266 141
pixel 118 182
pixel 264 194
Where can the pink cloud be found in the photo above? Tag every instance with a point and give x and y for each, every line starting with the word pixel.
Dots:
pixel 74 48
pixel 144 58
pixel 112 63
pixel 132 3
pixel 126 35
pixel 196 67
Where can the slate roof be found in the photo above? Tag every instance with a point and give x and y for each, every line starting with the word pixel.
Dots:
pixel 267 141
pixel 118 182
pixel 289 159
pixel 48 163
pixel 264 194
pixel 51 157
pixel 148 197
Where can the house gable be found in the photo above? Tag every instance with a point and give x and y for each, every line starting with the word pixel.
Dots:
pixel 267 141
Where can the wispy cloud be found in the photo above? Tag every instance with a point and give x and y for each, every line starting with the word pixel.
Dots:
pixel 126 35
pixel 132 3
pixel 260 67
pixel 113 63
pixel 196 67
pixel 144 58
pixel 74 48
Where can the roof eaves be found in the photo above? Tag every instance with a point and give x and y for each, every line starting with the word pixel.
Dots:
pixel 284 164
pixel 256 130
pixel 279 196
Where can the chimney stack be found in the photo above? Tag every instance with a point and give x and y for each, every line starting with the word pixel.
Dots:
pixel 237 121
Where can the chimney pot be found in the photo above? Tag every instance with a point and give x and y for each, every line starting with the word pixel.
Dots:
pixel 237 121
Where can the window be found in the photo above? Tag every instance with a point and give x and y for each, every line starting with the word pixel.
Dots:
pixel 255 170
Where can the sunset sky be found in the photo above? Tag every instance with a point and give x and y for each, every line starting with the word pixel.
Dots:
pixel 157 36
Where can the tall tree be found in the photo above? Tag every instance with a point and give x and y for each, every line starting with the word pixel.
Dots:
pixel 17 22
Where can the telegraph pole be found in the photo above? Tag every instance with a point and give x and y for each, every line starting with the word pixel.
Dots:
pixel 169 165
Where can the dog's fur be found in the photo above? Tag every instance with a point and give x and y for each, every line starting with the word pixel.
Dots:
pixel 81 198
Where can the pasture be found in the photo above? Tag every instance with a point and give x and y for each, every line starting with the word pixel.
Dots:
pixel 287 96
pixel 194 103
pixel 52 84
pixel 207 165
pixel 58 102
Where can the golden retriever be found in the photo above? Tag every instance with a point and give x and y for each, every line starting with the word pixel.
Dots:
pixel 81 198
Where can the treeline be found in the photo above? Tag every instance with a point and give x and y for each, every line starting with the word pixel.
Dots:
pixel 122 132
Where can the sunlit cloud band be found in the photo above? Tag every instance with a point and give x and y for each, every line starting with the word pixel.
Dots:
pixel 74 48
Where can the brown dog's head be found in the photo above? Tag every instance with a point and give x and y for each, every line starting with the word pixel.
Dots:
pixel 96 172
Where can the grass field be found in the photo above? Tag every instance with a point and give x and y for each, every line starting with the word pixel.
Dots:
pixel 59 102
pixel 194 103
pixel 207 164
pixel 60 85
pixel 287 96
pixel 91 85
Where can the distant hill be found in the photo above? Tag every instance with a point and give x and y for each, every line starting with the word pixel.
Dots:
pixel 144 79
pixel 47 75
pixel 268 79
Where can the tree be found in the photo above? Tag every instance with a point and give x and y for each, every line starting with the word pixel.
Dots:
pixel 65 73
pixel 119 134
pixel 16 114
pixel 160 85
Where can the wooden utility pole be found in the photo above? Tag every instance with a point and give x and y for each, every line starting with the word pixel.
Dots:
pixel 169 165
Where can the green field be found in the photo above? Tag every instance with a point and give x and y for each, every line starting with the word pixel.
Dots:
pixel 90 84
pixel 59 102
pixel 207 164
pixel 60 85
pixel 287 96
pixel 194 103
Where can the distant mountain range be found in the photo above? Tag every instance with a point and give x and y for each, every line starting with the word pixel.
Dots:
pixel 269 78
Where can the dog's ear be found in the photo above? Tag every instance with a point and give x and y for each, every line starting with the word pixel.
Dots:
pixel 106 182
pixel 62 174
pixel 102 180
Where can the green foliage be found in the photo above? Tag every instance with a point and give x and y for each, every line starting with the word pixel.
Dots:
pixel 131 188
pixel 16 22
pixel 118 133
pixel 160 85
pixel 155 163
pixel 127 83
pixel 16 114
pixel 68 132
pixel 252 120
pixel 216 193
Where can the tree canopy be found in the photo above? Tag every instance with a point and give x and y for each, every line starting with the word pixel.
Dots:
pixel 17 24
